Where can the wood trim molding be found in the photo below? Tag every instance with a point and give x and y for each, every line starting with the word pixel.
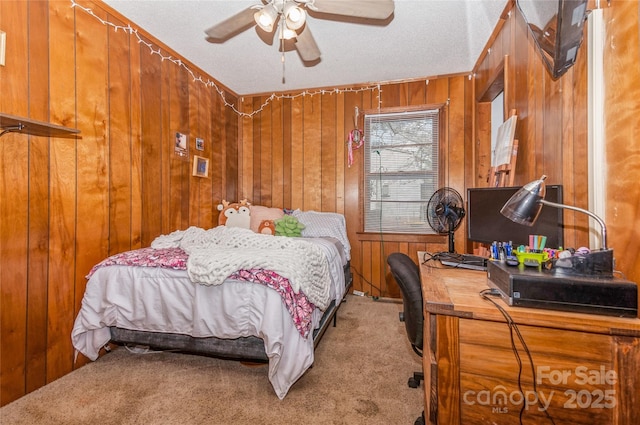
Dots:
pixel 496 83
pixel 401 237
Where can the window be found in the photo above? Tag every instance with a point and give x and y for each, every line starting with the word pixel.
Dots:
pixel 497 118
pixel 401 170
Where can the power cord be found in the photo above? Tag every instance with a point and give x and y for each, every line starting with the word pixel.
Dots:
pixel 440 256
pixel 371 285
pixel 487 294
pixel 427 257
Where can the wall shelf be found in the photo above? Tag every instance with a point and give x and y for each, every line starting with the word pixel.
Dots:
pixel 13 124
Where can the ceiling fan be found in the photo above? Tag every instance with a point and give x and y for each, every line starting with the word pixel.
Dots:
pixel 288 17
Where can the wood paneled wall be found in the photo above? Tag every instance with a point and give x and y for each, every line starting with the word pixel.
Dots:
pixel 622 133
pixel 294 155
pixel 552 118
pixel 553 124
pixel 67 203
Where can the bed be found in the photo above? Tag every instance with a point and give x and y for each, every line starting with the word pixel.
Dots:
pixel 226 292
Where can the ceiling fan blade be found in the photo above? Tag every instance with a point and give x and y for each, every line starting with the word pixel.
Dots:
pixel 232 26
pixel 369 9
pixel 306 46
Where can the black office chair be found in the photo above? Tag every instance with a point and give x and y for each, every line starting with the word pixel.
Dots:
pixel 407 274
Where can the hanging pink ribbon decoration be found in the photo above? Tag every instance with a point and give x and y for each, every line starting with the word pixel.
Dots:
pixel 355 141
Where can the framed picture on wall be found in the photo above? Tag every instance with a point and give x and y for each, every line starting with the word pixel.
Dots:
pixel 200 166
pixel 181 146
pixel 199 144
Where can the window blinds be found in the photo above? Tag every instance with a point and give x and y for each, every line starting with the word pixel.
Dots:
pixel 401 170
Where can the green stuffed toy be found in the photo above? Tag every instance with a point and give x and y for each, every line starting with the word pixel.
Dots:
pixel 288 226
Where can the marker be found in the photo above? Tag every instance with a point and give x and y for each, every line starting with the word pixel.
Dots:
pixel 494 250
pixel 508 249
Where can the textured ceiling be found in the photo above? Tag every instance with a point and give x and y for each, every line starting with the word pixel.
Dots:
pixel 423 38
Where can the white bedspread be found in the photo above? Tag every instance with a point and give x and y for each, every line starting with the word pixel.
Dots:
pixel 216 253
pixel 166 300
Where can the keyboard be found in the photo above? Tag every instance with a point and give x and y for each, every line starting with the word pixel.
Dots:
pixel 464 261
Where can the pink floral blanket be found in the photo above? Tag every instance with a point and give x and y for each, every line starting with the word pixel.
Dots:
pixel 298 305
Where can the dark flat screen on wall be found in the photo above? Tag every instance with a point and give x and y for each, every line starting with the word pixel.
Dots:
pixel 485 224
pixel 557 28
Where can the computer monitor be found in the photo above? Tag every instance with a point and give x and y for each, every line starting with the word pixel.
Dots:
pixel 485 224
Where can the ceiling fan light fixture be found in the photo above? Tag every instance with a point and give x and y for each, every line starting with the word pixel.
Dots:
pixel 294 16
pixel 266 17
pixel 287 33
pixel 288 18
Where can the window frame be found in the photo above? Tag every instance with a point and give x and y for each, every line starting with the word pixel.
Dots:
pixel 442 148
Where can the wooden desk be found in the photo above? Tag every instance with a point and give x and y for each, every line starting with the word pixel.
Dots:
pixel 587 367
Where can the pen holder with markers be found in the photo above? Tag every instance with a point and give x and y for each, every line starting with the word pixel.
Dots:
pixel 532 259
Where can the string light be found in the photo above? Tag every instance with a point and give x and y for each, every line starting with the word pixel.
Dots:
pixel 212 84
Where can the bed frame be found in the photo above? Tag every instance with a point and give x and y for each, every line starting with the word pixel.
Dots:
pixel 249 349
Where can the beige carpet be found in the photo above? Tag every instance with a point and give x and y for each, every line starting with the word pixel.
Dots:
pixel 359 377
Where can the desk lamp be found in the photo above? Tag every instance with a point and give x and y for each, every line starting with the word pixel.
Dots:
pixel 525 206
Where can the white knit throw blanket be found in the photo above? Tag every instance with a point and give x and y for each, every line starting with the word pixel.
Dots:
pixel 216 253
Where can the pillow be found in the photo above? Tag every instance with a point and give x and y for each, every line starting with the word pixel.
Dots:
pixel 267 227
pixel 236 214
pixel 324 224
pixel 260 214
pixel 288 226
